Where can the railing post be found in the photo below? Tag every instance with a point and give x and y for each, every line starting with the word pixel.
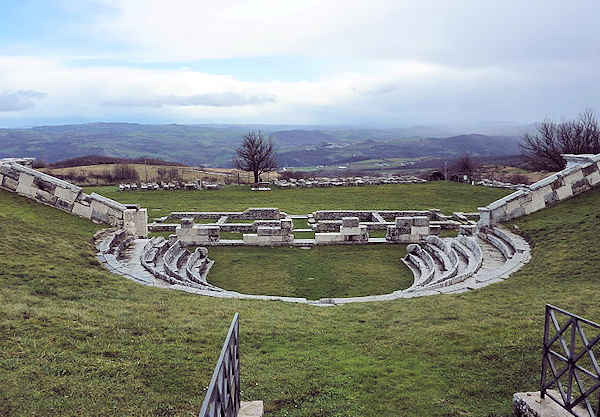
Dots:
pixel 545 351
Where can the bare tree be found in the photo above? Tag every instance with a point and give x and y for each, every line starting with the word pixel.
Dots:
pixel 465 165
pixel 543 150
pixel 255 154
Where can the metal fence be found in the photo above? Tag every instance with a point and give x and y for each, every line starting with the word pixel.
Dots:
pixel 569 364
pixel 223 396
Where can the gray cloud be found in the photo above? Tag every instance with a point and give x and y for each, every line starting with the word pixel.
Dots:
pixel 227 99
pixel 19 100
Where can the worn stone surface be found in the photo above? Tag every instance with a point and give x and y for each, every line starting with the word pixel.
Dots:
pixel 251 409
pixel 529 404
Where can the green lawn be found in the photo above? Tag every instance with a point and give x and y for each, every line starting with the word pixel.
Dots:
pixel 77 340
pixel 448 197
pixel 314 273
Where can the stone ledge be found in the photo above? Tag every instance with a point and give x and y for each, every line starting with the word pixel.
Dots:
pixel 251 409
pixel 529 404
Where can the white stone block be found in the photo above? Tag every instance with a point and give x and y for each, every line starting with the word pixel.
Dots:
pixel 25 186
pixel 66 194
pixel 419 230
pixel 594 178
pixel 350 222
pixel 250 239
pixel 136 222
pixel 564 192
pixel 349 231
pixel 328 238
pixel 82 210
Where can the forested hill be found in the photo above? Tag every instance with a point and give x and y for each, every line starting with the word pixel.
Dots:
pixel 214 145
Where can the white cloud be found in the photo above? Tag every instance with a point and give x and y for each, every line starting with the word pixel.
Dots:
pixel 11 101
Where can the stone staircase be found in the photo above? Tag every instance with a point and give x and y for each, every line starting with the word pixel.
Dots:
pixel 465 262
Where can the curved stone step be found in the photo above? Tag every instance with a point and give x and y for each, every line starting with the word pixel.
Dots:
pixel 426 265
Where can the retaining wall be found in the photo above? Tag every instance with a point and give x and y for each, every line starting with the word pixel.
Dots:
pixel 582 173
pixel 17 176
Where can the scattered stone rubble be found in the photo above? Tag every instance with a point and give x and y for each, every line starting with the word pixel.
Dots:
pixel 169 186
pixel 346 181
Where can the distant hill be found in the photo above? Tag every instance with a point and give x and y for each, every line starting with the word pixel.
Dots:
pixel 214 145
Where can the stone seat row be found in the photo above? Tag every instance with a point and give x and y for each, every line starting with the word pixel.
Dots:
pixel 170 261
pixel 440 262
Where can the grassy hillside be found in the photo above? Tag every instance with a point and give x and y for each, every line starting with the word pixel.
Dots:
pixel 93 174
pixel 77 340
pixel 214 145
pixel 448 197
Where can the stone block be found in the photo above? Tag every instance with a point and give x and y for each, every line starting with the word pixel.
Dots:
pixel 404 221
pixel 564 192
pixel 467 229
pixel 136 222
pixel 45 197
pixel 530 404
pixel 349 231
pixel 580 186
pixel 287 224
pixel 328 238
pixel 64 205
pixel 251 409
pixel 45 183
pixel 82 210
pixel 187 222
pixel 419 230
pixel 10 183
pixel 66 194
pixel 421 221
pixel 25 186
pixel 594 178
pixel 350 221
pixel 250 239
pixel 264 231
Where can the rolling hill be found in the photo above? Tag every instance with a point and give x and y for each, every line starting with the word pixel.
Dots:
pixel 214 145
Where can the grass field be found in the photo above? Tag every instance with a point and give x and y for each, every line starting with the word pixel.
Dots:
pixel 448 197
pixel 148 173
pixel 77 340
pixel 343 271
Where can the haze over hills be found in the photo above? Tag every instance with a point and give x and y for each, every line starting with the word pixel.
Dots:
pixel 214 145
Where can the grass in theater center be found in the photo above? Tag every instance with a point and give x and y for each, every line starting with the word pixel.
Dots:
pixel 77 340
pixel 319 272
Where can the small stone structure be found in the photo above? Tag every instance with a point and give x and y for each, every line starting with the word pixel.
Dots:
pixel 16 175
pixel 191 234
pixel 581 174
pixel 271 235
pixel 410 229
pixel 349 232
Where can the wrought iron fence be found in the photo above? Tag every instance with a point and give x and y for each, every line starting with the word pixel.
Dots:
pixel 572 369
pixel 223 396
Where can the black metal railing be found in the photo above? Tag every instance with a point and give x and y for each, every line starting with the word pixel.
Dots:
pixel 223 395
pixel 569 364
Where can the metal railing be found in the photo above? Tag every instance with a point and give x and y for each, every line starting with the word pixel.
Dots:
pixel 223 395
pixel 576 385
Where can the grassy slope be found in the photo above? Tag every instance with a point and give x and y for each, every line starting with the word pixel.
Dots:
pixel 446 196
pixel 77 340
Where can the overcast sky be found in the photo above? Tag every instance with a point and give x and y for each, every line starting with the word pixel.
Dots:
pixel 377 62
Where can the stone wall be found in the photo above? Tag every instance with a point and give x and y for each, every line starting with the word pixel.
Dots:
pixel 46 189
pixel 582 173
